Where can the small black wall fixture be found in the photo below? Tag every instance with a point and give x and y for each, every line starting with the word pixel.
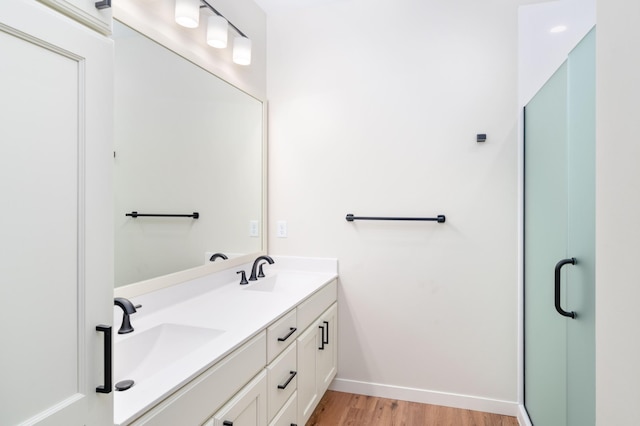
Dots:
pixel 440 218
pixel 104 4
pixel 194 215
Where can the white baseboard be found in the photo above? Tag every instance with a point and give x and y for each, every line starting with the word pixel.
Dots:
pixel 475 403
pixel 523 417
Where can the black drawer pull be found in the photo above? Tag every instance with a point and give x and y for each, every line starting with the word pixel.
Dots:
pixel 291 331
pixel 227 423
pixel 293 374
pixel 327 324
pixel 108 360
pixel 321 327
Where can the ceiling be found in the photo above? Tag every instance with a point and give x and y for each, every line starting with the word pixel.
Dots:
pixel 277 6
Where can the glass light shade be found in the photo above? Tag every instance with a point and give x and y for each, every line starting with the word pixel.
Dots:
pixel 188 13
pixel 242 51
pixel 217 30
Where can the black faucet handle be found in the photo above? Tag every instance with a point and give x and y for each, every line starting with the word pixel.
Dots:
pixel 260 271
pixel 243 278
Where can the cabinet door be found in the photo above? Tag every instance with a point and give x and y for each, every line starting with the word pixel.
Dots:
pixel 56 258
pixel 288 415
pixel 307 347
pixel 248 407
pixel 86 12
pixel 327 361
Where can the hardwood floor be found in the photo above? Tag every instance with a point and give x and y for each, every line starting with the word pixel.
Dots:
pixel 346 409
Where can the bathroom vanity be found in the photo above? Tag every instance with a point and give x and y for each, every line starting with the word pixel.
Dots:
pixel 213 352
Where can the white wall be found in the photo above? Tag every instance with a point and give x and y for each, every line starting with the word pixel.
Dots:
pixel 617 213
pixel 374 110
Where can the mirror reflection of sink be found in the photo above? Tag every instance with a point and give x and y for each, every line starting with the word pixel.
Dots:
pixel 143 355
pixel 267 284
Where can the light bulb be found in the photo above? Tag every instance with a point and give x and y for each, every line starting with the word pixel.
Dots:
pixel 217 30
pixel 188 13
pixel 242 51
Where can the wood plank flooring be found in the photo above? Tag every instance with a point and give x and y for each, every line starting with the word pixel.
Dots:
pixel 346 409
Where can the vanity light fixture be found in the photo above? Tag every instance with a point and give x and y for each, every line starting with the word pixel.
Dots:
pixel 187 13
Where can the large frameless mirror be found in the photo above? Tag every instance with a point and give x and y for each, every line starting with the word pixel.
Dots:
pixel 185 142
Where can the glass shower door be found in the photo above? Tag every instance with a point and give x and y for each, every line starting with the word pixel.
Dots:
pixel 559 227
pixel 545 243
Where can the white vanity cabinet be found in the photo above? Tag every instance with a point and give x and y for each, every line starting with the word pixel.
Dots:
pixel 317 350
pixel 95 14
pixel 276 378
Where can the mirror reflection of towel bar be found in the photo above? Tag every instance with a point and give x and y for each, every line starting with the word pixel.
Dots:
pixel 440 219
pixel 194 215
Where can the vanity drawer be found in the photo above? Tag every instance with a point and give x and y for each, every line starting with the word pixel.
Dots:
pixel 315 305
pixel 280 334
pixel 282 380
pixel 197 400
pixel 287 416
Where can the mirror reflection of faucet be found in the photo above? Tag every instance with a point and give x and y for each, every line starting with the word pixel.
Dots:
pixel 218 256
pixel 128 308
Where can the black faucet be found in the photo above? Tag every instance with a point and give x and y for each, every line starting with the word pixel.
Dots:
pixel 127 308
pixel 253 276
pixel 218 256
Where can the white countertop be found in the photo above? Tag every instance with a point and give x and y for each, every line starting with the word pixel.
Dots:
pixel 213 302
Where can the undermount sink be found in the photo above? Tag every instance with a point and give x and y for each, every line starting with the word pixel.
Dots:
pixel 267 284
pixel 143 355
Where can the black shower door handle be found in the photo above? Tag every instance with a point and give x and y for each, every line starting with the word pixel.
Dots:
pixel 559 266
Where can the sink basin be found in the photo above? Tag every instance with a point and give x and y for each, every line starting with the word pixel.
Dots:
pixel 143 355
pixel 267 284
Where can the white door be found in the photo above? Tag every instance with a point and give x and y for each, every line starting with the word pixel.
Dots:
pixel 56 260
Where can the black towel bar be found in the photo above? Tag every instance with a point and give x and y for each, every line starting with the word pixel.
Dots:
pixel 194 215
pixel 440 219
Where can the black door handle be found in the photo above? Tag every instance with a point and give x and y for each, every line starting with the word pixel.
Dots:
pixel 322 342
pixel 559 266
pixel 108 360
